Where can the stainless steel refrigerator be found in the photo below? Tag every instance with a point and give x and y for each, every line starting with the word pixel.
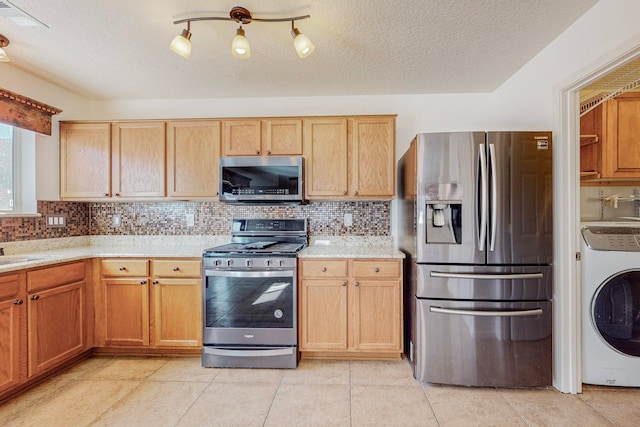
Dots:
pixel 476 222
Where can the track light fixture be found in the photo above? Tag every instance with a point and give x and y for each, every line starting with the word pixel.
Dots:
pixel 4 42
pixel 240 48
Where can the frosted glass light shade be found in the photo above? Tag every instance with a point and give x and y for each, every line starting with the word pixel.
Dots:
pixel 3 56
pixel 304 46
pixel 240 45
pixel 181 44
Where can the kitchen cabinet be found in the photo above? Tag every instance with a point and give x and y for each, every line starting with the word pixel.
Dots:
pixel 150 303
pixel 350 158
pixel 85 160
pixel 350 308
pixel 609 142
pixel 13 345
pixel 193 150
pixel 262 137
pixel 112 160
pixel 56 313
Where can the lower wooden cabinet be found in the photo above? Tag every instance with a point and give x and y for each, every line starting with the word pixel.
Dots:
pixel 350 308
pixel 13 346
pixel 150 303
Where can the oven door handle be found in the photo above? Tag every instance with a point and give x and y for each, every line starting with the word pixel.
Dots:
pixel 482 313
pixel 249 273
pixel 249 353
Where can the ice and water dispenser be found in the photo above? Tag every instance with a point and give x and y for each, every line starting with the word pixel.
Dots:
pixel 444 213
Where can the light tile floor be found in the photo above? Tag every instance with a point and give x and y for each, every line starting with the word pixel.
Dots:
pixel 110 391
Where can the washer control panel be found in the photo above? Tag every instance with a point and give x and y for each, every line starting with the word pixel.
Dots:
pixel 626 239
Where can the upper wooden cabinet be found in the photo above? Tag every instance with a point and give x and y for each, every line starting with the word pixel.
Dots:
pixel 610 139
pixel 268 137
pixel 193 150
pixel 350 158
pixel 85 160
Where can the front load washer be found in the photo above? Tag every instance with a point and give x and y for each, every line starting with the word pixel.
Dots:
pixel 611 305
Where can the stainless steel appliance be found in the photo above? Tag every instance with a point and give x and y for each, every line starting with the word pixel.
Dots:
pixel 261 180
pixel 250 295
pixel 476 222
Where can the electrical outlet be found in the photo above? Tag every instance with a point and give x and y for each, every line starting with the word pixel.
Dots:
pixel 191 220
pixel 56 221
pixel 348 220
pixel 116 220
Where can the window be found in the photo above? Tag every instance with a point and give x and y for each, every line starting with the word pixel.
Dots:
pixel 7 190
pixel 17 171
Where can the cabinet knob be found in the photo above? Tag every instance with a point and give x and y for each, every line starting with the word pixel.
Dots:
pixel 268 152
pixel 18 302
pixel 257 151
pixel 117 194
pixel 377 270
pixel 324 269
pixel 344 193
pixel 355 193
pixel 344 283
pixel 176 268
pixel 123 268
pixel 155 282
pixel 143 282
pixel 357 283
pixel 35 297
pixel 106 194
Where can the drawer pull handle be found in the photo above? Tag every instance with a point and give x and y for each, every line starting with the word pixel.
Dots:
pixel 18 302
pixel 35 297
pixel 176 268
pixel 324 269
pixel 122 268
pixel 377 270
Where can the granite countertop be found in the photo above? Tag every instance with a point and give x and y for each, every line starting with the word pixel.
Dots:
pixel 36 253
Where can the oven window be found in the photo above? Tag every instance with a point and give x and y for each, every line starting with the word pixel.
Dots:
pixel 249 302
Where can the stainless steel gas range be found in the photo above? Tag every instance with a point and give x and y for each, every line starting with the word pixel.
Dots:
pixel 250 295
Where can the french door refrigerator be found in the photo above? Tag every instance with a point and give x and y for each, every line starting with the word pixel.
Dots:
pixel 476 223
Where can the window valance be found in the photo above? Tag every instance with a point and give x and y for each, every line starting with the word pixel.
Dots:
pixel 26 113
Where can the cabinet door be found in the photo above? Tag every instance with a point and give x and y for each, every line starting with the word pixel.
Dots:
pixel 126 311
pixel 12 345
pixel 177 312
pixel 621 155
pixel 373 158
pixel 241 138
pixel 377 315
pixel 138 159
pixel 85 160
pixel 282 137
pixel 56 326
pixel 592 135
pixel 323 314
pixel 326 151
pixel 193 150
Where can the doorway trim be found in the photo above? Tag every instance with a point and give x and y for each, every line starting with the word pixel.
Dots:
pixel 567 339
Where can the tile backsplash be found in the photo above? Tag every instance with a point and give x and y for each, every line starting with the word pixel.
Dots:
pixel 370 218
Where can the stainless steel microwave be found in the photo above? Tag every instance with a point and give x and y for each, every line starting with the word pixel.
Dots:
pixel 265 180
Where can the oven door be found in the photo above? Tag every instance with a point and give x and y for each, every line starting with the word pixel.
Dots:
pixel 247 308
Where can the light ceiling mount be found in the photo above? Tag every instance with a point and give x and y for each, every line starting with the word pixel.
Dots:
pixel 240 48
pixel 4 42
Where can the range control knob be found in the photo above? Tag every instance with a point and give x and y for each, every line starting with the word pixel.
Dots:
pixel 229 262
pixel 267 263
pixel 280 263
pixel 218 262
pixel 248 262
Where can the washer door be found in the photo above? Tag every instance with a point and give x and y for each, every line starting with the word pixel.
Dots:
pixel 615 310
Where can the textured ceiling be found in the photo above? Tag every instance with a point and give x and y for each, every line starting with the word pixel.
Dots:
pixel 118 49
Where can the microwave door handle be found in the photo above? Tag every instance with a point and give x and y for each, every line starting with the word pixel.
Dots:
pixel 481 185
pixel 494 197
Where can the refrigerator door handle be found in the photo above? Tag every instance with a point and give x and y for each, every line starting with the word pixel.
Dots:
pixel 482 191
pixel 481 276
pixel 494 197
pixel 482 313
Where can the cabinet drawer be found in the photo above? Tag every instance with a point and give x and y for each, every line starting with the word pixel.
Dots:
pixel 54 276
pixel 124 267
pixel 323 268
pixel 9 286
pixel 375 268
pixel 176 268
